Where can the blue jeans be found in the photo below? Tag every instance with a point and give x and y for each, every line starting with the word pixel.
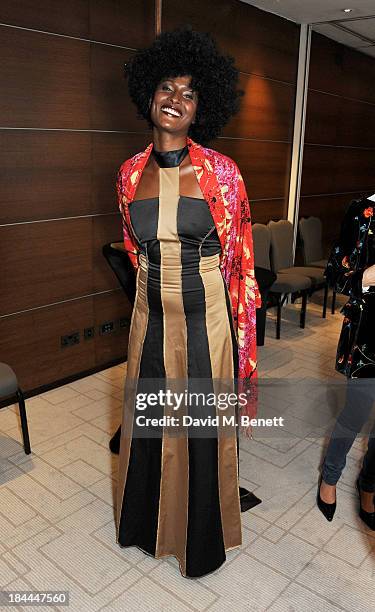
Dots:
pixel 355 414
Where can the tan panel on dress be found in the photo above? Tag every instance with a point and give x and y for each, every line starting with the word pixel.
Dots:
pixel 137 333
pixel 221 356
pixel 174 485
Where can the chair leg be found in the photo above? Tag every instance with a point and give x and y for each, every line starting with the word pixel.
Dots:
pixel 261 323
pixel 333 302
pixel 324 314
pixel 278 320
pixel 303 310
pixel 24 426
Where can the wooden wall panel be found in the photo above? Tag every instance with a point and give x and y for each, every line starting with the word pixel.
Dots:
pixel 61 264
pixel 263 165
pixel 69 17
pixel 111 307
pixel 110 105
pixel 32 346
pixel 266 110
pixel 109 151
pixel 261 43
pixel 35 338
pixel 321 118
pixel 335 170
pixel 113 21
pixel 106 228
pixel 57 82
pixel 341 70
pixel 337 121
pixel 339 153
pixel 43 264
pixel 45 80
pixel 44 174
pixel 357 123
pixel 54 174
pixel 263 211
pixel 130 24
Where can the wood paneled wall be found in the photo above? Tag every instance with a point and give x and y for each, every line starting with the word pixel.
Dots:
pixel 67 124
pixel 265 48
pixel 339 152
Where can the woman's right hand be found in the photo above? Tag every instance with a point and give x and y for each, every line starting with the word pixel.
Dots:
pixel 368 278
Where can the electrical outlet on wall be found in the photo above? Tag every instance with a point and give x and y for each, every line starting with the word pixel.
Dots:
pixel 124 322
pixel 107 327
pixel 88 333
pixel 70 339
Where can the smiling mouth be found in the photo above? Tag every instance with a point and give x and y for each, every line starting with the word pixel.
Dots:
pixel 171 112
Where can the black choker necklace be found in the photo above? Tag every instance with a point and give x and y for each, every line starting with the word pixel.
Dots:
pixel 170 159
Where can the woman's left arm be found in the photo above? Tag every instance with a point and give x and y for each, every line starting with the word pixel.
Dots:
pixel 243 287
pixel 245 236
pixel 129 245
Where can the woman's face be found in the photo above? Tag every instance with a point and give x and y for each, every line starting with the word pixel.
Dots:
pixel 174 105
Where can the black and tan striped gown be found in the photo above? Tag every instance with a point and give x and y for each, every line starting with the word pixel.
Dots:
pixel 178 493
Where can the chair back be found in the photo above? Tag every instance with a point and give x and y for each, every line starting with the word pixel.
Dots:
pixel 261 246
pixel 310 230
pixel 281 244
pixel 119 261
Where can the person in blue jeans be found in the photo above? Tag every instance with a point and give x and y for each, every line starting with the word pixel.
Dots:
pixel 351 271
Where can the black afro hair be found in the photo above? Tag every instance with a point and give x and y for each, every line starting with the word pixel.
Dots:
pixel 187 52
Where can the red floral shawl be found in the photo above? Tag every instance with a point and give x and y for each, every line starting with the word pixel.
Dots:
pixel 223 188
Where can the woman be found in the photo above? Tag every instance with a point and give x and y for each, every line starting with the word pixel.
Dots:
pixel 187 231
pixel 351 270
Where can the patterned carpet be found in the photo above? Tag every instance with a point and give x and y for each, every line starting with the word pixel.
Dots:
pixel 56 505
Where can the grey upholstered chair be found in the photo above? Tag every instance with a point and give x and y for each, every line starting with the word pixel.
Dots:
pixel 285 283
pixel 282 258
pixel 9 388
pixel 311 235
pixel 310 230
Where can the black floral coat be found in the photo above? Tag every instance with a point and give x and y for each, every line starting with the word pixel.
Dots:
pixel 350 256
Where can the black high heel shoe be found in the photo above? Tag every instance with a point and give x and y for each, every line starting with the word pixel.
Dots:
pixel 114 443
pixel 248 499
pixel 367 517
pixel 327 509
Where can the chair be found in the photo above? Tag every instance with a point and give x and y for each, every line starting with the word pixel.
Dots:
pixel 119 261
pixel 265 279
pixel 9 388
pixel 285 283
pixel 282 258
pixel 310 230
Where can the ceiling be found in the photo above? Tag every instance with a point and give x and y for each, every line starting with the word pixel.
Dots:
pixel 355 29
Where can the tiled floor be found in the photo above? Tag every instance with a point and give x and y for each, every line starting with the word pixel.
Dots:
pixel 56 506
